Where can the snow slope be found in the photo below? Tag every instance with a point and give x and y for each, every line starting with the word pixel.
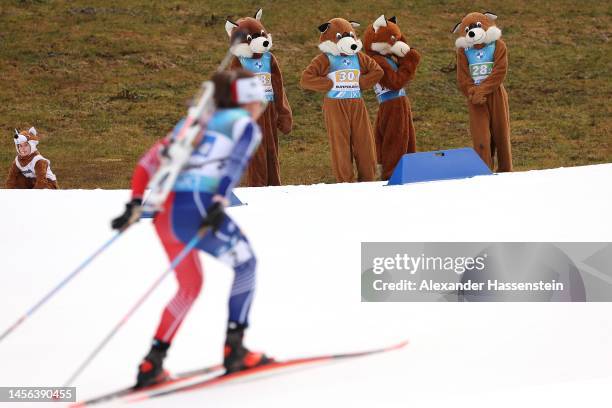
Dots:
pixel 307 239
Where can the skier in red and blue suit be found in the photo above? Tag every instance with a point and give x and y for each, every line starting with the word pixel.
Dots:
pixel 201 193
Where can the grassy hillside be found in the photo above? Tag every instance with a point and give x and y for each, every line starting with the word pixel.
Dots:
pixel 103 79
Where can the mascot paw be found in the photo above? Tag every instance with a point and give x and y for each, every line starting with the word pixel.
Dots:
pixel 478 98
pixel 409 58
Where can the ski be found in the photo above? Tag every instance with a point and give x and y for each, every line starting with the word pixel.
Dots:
pixel 173 379
pixel 272 366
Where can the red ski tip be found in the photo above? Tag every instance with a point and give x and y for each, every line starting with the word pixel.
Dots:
pixel 400 345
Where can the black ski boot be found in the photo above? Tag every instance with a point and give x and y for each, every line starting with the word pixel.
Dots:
pixel 151 370
pixel 236 356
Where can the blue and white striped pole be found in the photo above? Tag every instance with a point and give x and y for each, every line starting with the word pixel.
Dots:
pixel 64 281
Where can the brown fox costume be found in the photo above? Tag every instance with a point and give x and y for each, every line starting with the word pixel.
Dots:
pixel 30 169
pixel 395 134
pixel 482 63
pixel 254 55
pixel 342 71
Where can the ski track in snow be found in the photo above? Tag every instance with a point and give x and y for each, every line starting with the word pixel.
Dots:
pixel 307 239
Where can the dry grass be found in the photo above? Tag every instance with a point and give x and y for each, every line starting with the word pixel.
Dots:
pixel 103 79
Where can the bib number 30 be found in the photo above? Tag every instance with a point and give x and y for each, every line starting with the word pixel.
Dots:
pixel 346 75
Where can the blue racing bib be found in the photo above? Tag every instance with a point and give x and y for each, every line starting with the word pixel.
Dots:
pixel 344 72
pixel 384 94
pixel 480 62
pixel 262 68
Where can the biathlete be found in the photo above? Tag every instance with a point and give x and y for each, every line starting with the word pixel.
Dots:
pixel 199 196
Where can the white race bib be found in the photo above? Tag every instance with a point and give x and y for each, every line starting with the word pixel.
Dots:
pixel 266 80
pixel 345 80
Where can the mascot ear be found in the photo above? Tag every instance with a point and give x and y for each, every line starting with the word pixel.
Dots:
pixel 16 133
pixel 33 131
pixel 490 16
pixel 354 24
pixel 456 28
pixel 229 26
pixel 258 15
pixel 393 20
pixel 323 27
pixel 379 22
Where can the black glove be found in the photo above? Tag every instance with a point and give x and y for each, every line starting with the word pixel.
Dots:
pixel 215 214
pixel 124 219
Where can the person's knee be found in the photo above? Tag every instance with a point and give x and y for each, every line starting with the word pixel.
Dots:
pixel 244 279
pixel 191 291
pixel 191 282
pixel 247 267
pixel 196 286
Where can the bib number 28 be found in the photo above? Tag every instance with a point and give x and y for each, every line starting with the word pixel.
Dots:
pixel 481 69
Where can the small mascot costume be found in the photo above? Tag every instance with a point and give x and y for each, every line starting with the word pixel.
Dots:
pixel 30 169
pixel 342 71
pixel 253 54
pixel 482 63
pixel 395 135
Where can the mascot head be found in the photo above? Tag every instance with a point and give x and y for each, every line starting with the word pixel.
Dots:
pixel 255 39
pixel 385 38
pixel 338 37
pixel 476 29
pixel 26 141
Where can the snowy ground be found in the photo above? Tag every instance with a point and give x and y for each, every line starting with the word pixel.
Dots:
pixel 308 240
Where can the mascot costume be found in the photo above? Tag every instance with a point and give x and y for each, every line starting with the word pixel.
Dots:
pixel 395 135
pixel 30 169
pixel 482 63
pixel 342 72
pixel 254 55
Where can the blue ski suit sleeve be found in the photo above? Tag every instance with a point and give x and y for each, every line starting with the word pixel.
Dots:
pixel 248 136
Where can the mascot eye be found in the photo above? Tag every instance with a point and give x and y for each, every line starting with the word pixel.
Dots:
pixel 478 24
pixel 263 33
pixel 249 38
pixel 393 38
pixel 467 29
pixel 338 36
pixel 352 35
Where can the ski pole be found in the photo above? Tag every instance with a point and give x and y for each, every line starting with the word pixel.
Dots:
pixel 64 281
pixel 175 262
